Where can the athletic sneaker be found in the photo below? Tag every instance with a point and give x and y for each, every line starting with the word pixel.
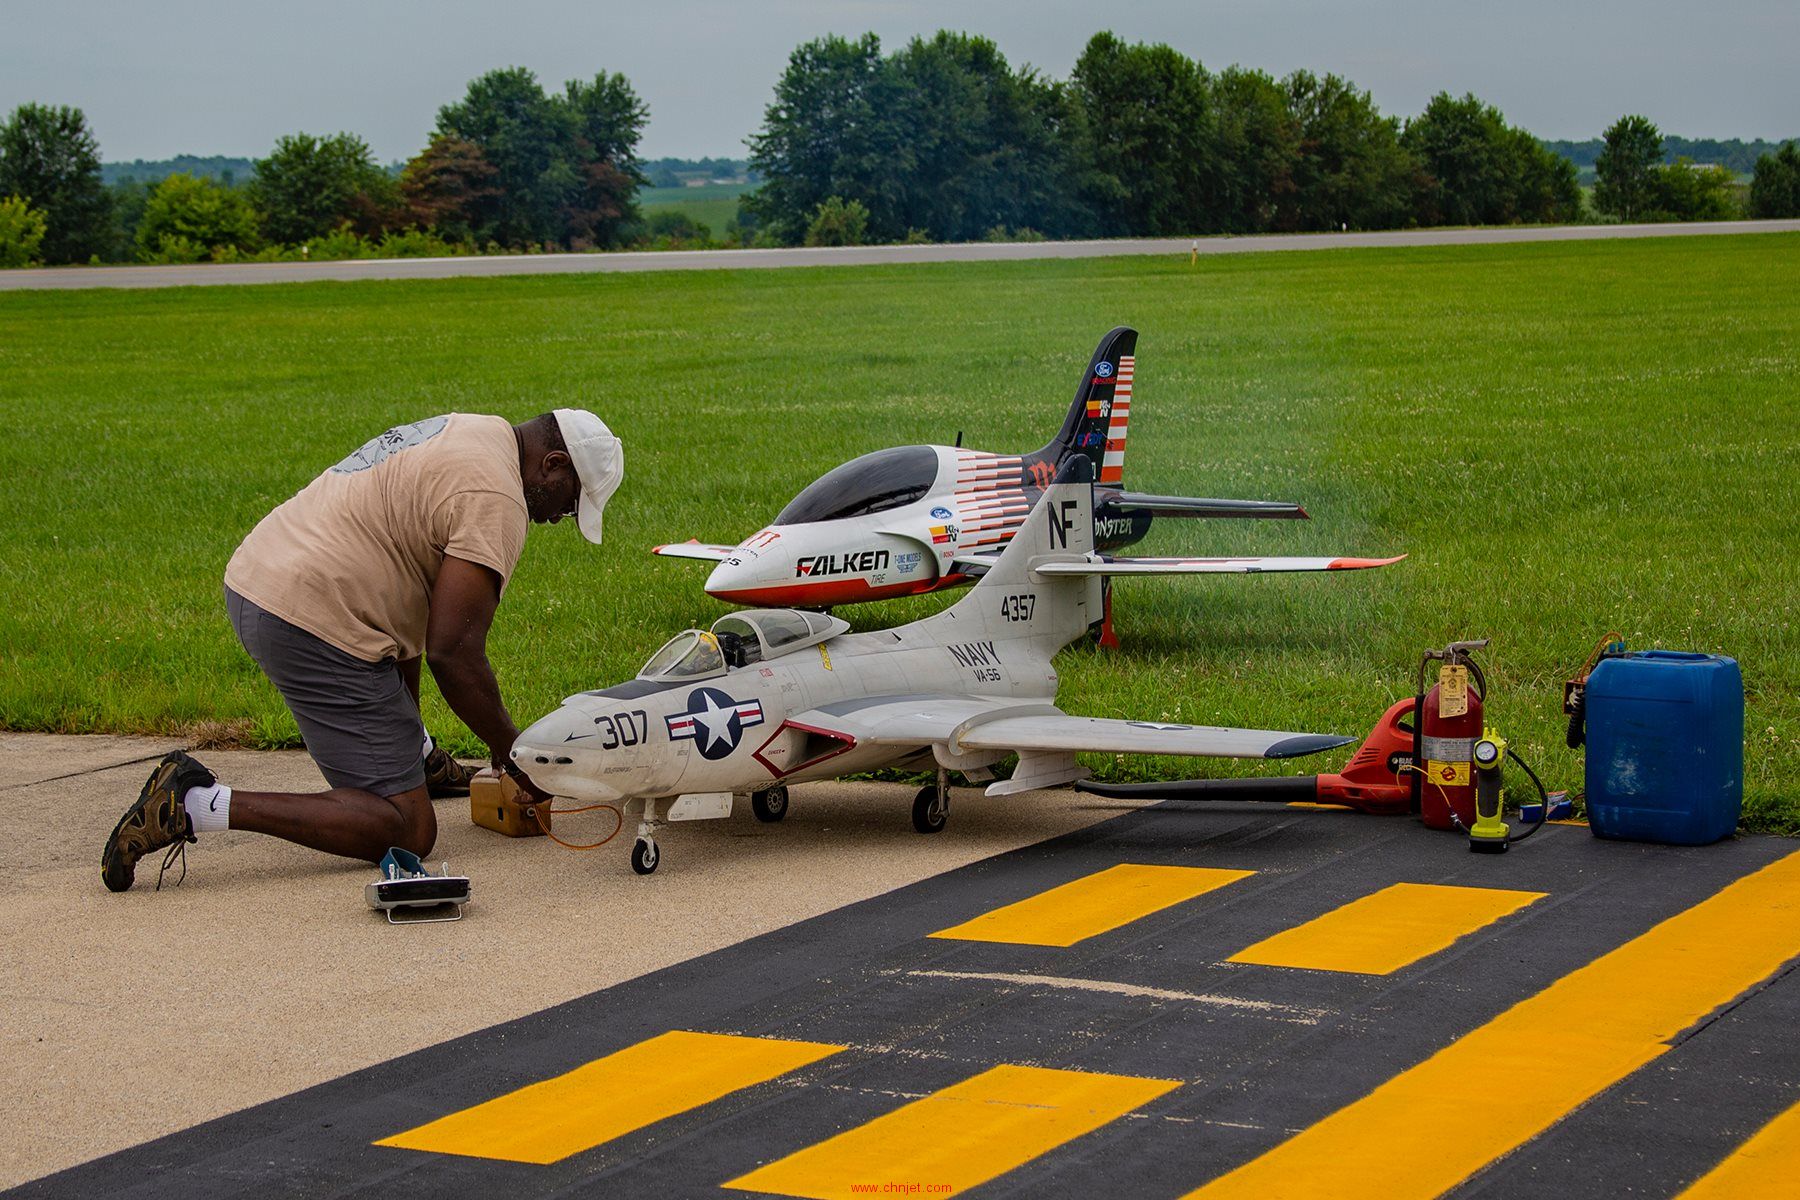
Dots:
pixel 444 776
pixel 158 819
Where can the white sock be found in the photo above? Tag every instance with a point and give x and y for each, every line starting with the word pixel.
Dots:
pixel 426 752
pixel 209 808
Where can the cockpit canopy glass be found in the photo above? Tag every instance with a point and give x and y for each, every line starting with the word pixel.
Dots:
pixel 877 482
pixel 772 632
pixel 692 654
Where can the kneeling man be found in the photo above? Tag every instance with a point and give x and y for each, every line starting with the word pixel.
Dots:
pixel 399 552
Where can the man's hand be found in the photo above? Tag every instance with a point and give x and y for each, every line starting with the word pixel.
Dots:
pixel 462 609
pixel 532 792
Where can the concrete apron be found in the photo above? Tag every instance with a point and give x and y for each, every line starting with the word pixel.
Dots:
pixel 131 1016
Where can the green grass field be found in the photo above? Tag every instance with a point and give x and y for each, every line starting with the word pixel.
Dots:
pixel 1565 438
pixel 714 205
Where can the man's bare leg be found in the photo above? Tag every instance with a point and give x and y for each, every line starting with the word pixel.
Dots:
pixel 344 821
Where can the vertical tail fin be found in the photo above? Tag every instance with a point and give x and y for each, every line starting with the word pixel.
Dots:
pixel 1009 601
pixel 1096 424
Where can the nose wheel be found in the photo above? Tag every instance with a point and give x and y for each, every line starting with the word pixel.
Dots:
pixel 644 855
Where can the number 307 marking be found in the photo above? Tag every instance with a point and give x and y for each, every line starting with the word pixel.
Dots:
pixel 623 729
pixel 1018 608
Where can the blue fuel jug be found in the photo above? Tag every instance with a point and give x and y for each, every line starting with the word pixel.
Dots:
pixel 1665 747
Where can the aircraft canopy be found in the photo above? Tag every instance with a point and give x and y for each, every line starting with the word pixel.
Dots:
pixel 877 482
pixel 690 654
pixel 772 632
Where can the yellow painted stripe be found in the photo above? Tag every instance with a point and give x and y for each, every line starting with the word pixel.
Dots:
pixel 1430 1127
pixel 960 1137
pixel 1379 934
pixel 611 1097
pixel 1092 905
pixel 1766 1165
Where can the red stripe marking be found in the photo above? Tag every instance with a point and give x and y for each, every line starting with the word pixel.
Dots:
pixel 1353 564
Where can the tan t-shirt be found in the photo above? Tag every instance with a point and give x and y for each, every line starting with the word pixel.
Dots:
pixel 353 557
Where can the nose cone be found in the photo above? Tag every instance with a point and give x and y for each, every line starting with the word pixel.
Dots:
pixel 731 576
pixel 747 569
pixel 561 753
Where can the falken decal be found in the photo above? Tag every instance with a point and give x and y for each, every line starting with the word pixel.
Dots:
pixel 714 721
pixel 858 562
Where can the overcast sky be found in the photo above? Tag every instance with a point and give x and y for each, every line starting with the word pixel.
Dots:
pixel 214 77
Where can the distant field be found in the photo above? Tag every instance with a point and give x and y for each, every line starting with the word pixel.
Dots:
pixel 712 204
pixel 1565 437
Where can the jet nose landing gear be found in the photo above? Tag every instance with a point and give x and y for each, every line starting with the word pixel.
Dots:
pixel 644 855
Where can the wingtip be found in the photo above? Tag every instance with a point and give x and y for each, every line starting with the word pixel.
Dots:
pixel 658 549
pixel 1357 564
pixel 1302 744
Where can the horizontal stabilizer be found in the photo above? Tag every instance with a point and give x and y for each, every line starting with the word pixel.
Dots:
pixel 694 549
pixel 974 564
pixel 1208 566
pixel 1194 506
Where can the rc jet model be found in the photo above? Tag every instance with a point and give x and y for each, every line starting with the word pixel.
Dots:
pixel 770 697
pixel 913 519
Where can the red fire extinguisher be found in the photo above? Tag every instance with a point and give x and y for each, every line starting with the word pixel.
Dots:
pixel 1448 723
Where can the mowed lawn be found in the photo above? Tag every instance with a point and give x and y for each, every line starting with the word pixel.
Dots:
pixel 1565 438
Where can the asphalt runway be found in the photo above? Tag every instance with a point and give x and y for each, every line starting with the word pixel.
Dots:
pixel 208 274
pixel 1219 1001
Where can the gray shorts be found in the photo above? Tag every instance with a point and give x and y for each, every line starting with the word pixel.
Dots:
pixel 360 722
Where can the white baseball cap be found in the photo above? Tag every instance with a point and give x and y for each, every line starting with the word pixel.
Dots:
pixel 599 463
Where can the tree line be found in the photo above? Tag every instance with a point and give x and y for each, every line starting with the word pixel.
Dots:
pixel 942 140
pixel 509 166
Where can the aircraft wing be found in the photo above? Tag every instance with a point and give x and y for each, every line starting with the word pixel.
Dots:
pixel 914 720
pixel 1207 566
pixel 694 549
pixel 965 723
pixel 1067 734
pixel 1194 506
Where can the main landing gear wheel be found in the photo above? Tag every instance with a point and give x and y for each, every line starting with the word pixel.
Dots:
pixel 644 856
pixel 770 804
pixel 931 808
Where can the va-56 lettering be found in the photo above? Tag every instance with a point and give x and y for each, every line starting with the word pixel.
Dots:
pixel 1019 607
pixel 623 729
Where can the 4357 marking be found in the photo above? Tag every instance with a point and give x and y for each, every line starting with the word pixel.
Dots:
pixel 1019 607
